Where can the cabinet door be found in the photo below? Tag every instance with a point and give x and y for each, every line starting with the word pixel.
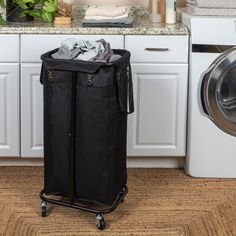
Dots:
pixel 31 111
pixel 9 109
pixel 158 126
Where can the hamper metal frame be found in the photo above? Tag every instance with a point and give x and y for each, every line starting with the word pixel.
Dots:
pixel 99 212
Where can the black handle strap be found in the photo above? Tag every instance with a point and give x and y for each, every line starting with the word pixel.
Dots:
pixel 125 88
pixel 130 90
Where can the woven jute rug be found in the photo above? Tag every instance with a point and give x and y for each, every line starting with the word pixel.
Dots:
pixel 160 202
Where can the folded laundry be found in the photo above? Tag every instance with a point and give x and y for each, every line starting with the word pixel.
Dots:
pixel 213 3
pixel 127 21
pixel 106 10
pixel 210 11
pixel 108 25
pixel 86 50
pixel 105 17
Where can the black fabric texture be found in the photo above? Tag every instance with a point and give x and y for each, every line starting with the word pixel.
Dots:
pixel 85 127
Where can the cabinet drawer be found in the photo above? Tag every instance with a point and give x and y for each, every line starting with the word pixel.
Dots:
pixel 9 48
pixel 33 46
pixel 157 48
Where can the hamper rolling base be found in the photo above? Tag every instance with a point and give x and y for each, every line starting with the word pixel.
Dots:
pixel 101 224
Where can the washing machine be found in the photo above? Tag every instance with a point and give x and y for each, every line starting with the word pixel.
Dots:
pixel 211 137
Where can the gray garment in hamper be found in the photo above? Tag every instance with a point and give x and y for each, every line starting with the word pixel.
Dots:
pixel 85 50
pixel 64 53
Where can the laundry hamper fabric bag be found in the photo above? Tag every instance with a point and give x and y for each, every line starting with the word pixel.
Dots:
pixel 85 127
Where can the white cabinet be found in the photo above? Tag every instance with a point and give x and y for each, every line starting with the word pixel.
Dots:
pixel 9 48
pixel 158 126
pixel 9 109
pixel 160 77
pixel 160 72
pixel 32 46
pixel 31 111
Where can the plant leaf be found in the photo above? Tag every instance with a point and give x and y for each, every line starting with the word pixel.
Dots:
pixel 2 21
pixel 2 3
pixel 33 2
pixel 28 1
pixel 22 14
pixel 25 4
pixel 33 12
pixel 48 6
pixel 21 4
pixel 55 3
pixel 47 16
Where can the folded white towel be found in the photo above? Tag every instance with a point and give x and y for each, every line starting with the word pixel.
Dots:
pixel 106 11
pixel 210 11
pixel 106 17
pixel 213 3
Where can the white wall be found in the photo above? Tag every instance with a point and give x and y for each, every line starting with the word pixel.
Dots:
pixel 122 2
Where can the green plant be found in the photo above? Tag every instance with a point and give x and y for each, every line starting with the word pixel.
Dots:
pixel 2 5
pixel 44 9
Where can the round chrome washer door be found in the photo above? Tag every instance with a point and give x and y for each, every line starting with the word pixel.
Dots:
pixel 219 92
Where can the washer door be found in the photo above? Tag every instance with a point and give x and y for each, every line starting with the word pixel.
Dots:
pixel 219 92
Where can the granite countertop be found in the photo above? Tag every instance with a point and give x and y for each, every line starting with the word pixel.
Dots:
pixel 141 26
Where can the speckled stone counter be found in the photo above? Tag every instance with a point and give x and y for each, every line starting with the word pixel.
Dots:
pixel 141 26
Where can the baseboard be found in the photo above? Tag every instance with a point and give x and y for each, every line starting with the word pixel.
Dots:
pixel 17 161
pixel 133 162
pixel 155 162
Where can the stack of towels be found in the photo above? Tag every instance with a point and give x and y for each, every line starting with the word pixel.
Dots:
pixel 107 16
pixel 212 7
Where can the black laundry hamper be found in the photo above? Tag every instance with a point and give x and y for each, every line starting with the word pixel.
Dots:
pixel 85 127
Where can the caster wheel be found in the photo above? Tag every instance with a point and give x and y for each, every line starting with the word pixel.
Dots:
pixel 44 212
pixel 44 209
pixel 101 224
